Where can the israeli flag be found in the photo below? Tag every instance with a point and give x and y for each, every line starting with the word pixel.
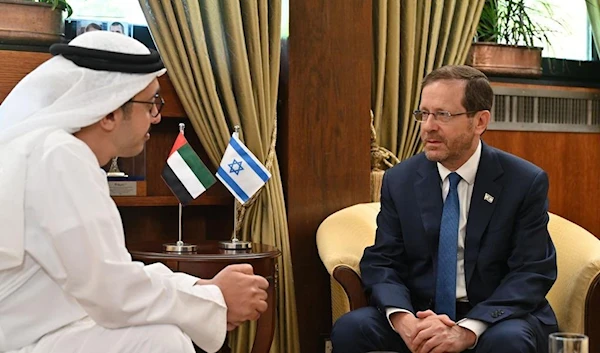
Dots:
pixel 240 171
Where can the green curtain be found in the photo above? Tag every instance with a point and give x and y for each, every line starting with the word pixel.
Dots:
pixel 411 38
pixel 593 10
pixel 223 59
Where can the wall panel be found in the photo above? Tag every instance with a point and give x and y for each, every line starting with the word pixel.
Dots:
pixel 572 161
pixel 323 138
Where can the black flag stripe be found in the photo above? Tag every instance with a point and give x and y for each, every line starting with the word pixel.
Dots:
pixel 176 186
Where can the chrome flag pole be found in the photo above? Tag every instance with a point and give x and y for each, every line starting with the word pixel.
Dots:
pixel 235 243
pixel 180 246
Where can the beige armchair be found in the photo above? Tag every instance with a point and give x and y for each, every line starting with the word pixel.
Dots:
pixel 575 297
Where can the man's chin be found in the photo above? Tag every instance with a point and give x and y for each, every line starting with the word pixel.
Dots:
pixel 435 156
pixel 132 153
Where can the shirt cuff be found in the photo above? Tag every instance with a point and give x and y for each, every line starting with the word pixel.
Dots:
pixel 475 326
pixel 184 279
pixel 390 311
pixel 163 272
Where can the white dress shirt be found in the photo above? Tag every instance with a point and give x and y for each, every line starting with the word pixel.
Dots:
pixel 467 172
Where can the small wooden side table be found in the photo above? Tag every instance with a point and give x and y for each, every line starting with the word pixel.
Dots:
pixel 208 260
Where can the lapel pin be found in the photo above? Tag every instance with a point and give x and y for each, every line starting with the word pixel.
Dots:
pixel 489 198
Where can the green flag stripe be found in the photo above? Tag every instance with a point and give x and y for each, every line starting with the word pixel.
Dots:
pixel 195 163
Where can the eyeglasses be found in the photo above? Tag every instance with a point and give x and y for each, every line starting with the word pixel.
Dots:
pixel 442 116
pixel 158 102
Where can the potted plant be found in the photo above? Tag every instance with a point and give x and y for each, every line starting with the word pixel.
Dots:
pixel 32 22
pixel 505 39
pixel 61 5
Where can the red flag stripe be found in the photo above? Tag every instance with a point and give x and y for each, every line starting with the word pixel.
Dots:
pixel 180 141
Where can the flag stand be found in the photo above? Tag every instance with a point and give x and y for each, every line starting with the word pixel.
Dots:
pixel 235 243
pixel 180 246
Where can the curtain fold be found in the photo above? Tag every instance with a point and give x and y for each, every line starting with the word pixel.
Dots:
pixel 223 59
pixel 593 10
pixel 411 38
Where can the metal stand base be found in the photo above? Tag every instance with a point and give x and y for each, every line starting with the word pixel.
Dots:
pixel 235 244
pixel 116 175
pixel 179 247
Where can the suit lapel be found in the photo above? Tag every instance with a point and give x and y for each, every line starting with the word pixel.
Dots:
pixel 486 194
pixel 429 198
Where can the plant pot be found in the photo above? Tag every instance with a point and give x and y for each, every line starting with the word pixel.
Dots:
pixel 30 23
pixel 495 59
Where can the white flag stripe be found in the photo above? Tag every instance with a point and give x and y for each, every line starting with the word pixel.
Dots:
pixel 185 175
pixel 243 151
pixel 233 189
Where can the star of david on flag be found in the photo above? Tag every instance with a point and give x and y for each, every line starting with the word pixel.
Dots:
pixel 235 167
pixel 240 171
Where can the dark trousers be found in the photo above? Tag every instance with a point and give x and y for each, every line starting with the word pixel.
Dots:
pixel 367 329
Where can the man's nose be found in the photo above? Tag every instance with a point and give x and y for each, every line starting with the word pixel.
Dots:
pixel 429 123
pixel 156 119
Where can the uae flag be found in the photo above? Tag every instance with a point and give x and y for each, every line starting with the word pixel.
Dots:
pixel 185 174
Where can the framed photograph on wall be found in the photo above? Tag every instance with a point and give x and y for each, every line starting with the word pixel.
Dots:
pixel 79 26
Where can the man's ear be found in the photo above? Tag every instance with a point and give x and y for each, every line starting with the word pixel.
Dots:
pixel 482 122
pixel 110 121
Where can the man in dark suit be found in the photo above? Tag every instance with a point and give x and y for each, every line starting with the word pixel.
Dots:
pixel 462 257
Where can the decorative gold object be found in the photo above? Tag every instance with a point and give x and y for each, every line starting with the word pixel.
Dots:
pixel 114 171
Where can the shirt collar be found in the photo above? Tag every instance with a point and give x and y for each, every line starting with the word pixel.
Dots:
pixel 467 171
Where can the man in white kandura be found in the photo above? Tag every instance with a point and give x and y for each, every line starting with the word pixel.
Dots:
pixel 67 282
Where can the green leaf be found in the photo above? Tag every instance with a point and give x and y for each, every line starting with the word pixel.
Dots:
pixel 509 22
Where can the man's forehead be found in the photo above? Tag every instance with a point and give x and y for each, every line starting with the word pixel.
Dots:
pixel 443 91
pixel 152 89
pixel 448 82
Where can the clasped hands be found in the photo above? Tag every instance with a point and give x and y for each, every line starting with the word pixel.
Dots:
pixel 429 332
pixel 244 292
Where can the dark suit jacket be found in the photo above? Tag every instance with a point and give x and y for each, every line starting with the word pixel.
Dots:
pixel 510 261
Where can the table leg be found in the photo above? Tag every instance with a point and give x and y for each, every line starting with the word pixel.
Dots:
pixel 265 326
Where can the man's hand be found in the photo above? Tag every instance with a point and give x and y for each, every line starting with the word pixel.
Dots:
pixel 439 334
pixel 245 293
pixel 405 324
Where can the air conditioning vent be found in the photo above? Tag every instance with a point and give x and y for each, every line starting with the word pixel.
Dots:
pixel 534 109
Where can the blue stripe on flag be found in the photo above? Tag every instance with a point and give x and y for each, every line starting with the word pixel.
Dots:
pixel 232 184
pixel 251 162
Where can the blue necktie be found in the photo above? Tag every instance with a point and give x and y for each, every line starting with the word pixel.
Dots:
pixel 445 285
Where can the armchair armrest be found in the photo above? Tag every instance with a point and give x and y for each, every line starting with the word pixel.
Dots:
pixel 352 285
pixel 592 310
pixel 341 240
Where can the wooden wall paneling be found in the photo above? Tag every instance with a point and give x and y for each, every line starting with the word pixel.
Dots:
pixel 572 161
pixel 324 138
pixel 15 65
